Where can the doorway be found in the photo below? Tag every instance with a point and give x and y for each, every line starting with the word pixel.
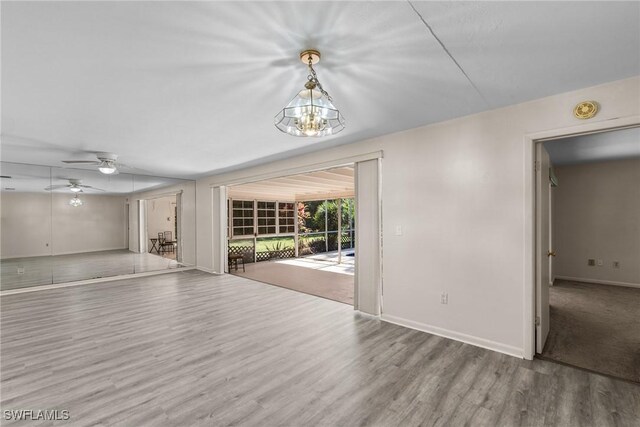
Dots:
pixel 161 230
pixel 296 232
pixel 587 223
pixel 368 232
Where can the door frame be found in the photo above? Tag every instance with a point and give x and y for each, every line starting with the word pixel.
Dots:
pixel 530 249
pixel 219 190
pixel 543 220
pixel 142 226
pixel 127 224
pixel 143 232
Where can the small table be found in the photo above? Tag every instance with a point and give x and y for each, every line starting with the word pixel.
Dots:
pixel 233 260
pixel 153 245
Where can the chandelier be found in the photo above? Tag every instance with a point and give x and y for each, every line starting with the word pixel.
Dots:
pixel 311 112
pixel 75 201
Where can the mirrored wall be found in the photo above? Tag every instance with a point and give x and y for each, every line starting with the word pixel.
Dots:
pixel 64 225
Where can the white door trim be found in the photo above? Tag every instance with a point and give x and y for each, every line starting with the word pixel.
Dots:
pixel 530 141
pixel 142 226
pixel 219 229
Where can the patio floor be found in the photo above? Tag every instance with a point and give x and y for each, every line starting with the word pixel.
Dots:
pixel 318 275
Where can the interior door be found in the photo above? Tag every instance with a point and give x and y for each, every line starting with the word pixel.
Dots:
pixel 543 252
pixel 552 252
pixel 368 274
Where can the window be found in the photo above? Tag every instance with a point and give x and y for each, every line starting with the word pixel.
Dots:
pixel 262 217
pixel 243 218
pixel 266 217
pixel 286 217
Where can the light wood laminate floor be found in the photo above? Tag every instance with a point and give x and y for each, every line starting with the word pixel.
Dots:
pixel 194 349
pixel 45 270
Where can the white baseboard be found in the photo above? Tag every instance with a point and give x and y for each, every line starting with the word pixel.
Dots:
pixel 208 270
pixel 599 282
pixel 38 288
pixel 457 336
pixel 367 315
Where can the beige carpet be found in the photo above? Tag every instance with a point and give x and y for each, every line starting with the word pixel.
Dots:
pixel 314 281
pixel 596 327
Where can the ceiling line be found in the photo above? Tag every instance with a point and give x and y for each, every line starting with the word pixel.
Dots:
pixel 426 24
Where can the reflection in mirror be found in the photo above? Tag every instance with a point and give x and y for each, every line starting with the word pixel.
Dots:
pixel 89 224
pixel 162 216
pixel 25 249
pixel 64 225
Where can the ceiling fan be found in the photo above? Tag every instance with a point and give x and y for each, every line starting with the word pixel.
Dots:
pixel 106 163
pixel 74 185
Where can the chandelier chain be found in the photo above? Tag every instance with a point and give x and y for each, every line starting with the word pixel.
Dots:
pixel 314 78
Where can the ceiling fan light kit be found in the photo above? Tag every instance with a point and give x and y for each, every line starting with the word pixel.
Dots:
pixel 107 167
pixel 74 185
pixel 311 112
pixel 106 163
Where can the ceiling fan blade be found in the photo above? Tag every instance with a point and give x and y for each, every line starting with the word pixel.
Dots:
pixel 132 168
pixel 92 188
pixel 55 187
pixel 86 162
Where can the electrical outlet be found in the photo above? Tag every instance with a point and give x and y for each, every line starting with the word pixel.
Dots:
pixel 600 263
pixel 591 262
pixel 616 264
pixel 398 230
pixel 444 298
pixel 20 270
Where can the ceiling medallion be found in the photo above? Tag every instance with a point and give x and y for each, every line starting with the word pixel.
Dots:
pixel 311 112
pixel 586 110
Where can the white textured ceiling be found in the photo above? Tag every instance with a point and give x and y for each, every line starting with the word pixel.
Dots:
pixel 186 88
pixel 597 147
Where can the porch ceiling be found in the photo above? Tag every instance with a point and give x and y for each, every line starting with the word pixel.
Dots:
pixel 330 183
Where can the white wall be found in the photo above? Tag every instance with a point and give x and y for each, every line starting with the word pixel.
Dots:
pixel 31 220
pixel 187 217
pixel 161 216
pixel 98 225
pixel 457 188
pixel 25 225
pixel 597 215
